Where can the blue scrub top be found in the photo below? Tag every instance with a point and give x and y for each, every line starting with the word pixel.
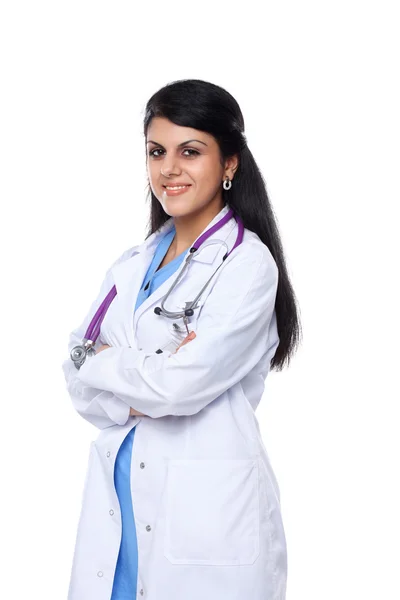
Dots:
pixel 125 578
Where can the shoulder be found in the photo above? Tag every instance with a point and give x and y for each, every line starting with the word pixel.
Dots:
pixel 126 254
pixel 248 276
pixel 245 286
pixel 254 255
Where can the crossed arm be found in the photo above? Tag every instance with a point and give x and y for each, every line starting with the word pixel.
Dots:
pixel 188 338
pixel 235 316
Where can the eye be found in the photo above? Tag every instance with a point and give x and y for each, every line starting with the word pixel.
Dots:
pixel 152 152
pixel 191 150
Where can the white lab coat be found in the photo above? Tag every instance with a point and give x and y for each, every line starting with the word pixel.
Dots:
pixel 206 501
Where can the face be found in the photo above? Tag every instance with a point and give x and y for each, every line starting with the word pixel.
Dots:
pixel 178 155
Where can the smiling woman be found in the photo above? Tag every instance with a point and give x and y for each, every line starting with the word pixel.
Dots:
pixel 179 483
pixel 191 169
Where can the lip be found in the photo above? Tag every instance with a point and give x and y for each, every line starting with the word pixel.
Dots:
pixel 177 192
pixel 174 184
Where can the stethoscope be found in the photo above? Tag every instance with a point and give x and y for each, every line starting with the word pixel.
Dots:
pixel 80 353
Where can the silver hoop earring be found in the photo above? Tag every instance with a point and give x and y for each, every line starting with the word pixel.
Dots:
pixel 227 184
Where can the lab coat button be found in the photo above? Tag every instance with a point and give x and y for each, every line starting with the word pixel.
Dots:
pixel 100 574
pixel 108 453
pixel 141 592
pixel 111 512
pixel 148 528
pixel 142 465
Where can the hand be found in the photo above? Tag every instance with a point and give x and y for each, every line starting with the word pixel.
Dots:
pixel 103 347
pixel 135 413
pixel 187 339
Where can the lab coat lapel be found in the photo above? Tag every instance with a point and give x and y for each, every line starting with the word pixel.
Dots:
pixel 129 275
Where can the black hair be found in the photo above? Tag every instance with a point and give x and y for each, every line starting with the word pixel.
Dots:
pixel 210 108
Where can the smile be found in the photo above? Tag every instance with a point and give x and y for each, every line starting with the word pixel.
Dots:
pixel 175 187
pixel 175 190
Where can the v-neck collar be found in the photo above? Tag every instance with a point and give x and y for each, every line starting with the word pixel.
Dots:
pixel 161 250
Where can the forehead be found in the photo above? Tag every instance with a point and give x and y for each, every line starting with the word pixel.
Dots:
pixel 162 130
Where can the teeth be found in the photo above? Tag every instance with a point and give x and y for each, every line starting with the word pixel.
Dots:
pixel 177 187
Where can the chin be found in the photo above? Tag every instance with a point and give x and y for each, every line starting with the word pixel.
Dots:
pixel 178 209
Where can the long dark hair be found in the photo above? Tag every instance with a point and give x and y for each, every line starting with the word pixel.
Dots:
pixel 208 107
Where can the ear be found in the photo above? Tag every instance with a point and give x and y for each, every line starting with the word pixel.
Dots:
pixel 231 165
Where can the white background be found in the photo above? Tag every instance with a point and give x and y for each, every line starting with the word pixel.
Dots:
pixel 318 84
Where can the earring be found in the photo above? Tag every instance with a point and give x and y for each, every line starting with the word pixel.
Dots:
pixel 227 184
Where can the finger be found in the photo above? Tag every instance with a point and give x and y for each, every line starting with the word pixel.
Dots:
pixel 188 338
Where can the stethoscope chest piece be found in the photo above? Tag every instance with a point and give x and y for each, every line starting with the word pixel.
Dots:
pixel 79 353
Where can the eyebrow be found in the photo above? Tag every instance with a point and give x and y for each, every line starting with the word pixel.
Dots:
pixel 179 145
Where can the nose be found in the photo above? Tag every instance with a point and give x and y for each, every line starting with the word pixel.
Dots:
pixel 170 166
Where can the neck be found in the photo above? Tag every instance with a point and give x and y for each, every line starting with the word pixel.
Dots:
pixel 189 227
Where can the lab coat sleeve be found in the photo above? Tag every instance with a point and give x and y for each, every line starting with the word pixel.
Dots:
pixel 100 407
pixel 232 335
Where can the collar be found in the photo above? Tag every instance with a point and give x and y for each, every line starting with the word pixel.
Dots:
pixel 207 252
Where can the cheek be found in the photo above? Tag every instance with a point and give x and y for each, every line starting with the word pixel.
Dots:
pixel 151 170
pixel 207 174
pixel 153 177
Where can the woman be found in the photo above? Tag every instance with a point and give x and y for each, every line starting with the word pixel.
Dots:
pixel 180 499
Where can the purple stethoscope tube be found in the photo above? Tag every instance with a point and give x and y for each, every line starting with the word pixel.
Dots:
pixel 78 353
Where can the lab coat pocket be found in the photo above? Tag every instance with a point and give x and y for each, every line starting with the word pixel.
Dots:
pixel 212 511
